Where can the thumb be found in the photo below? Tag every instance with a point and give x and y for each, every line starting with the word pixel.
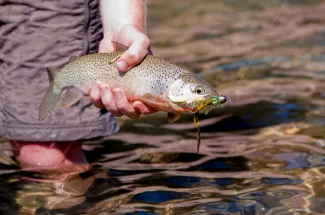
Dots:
pixel 134 55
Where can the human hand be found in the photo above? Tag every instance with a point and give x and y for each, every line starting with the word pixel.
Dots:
pixel 115 100
pixel 138 47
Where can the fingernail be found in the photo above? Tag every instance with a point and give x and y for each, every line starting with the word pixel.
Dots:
pixel 117 93
pixel 121 65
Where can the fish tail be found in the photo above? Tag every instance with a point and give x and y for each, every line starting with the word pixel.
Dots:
pixel 48 103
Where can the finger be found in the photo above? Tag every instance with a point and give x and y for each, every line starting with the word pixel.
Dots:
pixel 134 55
pixel 108 100
pixel 95 96
pixel 124 105
pixel 142 108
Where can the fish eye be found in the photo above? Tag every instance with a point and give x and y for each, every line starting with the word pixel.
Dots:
pixel 198 89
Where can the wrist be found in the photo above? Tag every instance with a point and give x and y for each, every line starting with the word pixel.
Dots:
pixel 114 33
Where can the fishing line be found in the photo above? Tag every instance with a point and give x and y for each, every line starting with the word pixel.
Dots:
pixel 258 48
pixel 196 115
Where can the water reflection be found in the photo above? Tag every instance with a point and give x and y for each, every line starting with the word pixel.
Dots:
pixel 168 192
pixel 87 192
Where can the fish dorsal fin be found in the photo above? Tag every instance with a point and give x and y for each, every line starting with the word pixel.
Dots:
pixel 73 58
pixel 72 96
pixel 51 72
pixel 172 117
pixel 119 46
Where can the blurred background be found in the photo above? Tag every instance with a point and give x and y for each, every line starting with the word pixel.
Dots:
pixel 263 153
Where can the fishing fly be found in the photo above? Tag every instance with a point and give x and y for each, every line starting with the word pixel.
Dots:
pixel 205 105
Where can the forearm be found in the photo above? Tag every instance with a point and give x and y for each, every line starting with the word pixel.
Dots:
pixel 118 13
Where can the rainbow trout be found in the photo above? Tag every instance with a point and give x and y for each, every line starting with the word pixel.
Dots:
pixel 160 85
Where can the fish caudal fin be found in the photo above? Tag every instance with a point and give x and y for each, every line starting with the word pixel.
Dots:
pixel 48 103
pixel 73 96
pixel 51 73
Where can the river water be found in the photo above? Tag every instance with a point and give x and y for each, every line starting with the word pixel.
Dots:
pixel 263 153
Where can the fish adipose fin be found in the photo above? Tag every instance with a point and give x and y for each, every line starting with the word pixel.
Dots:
pixel 119 46
pixel 172 117
pixel 73 96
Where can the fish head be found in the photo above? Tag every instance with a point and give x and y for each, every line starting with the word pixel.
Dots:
pixel 192 94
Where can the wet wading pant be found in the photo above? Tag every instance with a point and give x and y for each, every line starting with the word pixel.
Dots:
pixel 39 34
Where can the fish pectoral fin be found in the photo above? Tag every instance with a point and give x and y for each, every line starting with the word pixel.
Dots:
pixel 72 96
pixel 119 46
pixel 73 58
pixel 51 72
pixel 172 117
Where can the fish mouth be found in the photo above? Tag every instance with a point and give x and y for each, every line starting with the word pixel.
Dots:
pixel 211 102
pixel 204 104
